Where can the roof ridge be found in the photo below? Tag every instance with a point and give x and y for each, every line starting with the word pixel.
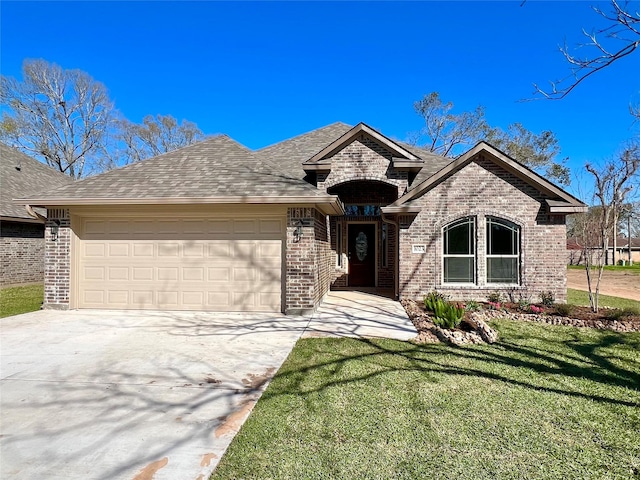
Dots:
pixel 334 124
pixel 34 161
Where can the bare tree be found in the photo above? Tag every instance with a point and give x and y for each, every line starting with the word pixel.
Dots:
pixel 446 133
pixel 535 151
pixel 606 45
pixel 614 182
pixel 62 116
pixel 154 136
pixel 443 130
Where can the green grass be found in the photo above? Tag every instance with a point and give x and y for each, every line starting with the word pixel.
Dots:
pixel 579 297
pixel 545 403
pixel 634 269
pixel 16 300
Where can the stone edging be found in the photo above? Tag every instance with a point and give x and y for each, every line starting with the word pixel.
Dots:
pixel 615 325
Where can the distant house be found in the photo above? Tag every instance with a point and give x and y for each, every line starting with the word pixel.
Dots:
pixel 217 226
pixel 576 252
pixel 21 234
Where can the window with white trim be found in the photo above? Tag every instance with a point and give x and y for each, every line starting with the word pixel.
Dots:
pixel 503 251
pixel 459 245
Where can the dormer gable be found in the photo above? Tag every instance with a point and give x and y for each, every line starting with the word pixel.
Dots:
pixel 401 158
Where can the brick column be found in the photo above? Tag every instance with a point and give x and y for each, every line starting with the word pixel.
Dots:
pixel 300 269
pixel 57 259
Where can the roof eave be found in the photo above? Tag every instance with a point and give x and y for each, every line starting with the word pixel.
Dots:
pixel 343 140
pixel 329 204
pixel 403 164
pixel 568 209
pixel 505 162
pixel 6 218
pixel 406 209
pixel 318 167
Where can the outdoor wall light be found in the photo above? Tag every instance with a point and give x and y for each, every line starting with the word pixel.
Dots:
pixel 297 234
pixel 55 227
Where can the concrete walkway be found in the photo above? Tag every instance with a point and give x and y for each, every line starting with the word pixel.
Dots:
pixel 356 314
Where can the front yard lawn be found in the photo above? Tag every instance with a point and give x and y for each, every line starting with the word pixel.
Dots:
pixel 16 300
pixel 546 402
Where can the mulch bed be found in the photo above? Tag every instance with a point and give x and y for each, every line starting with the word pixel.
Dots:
pixel 579 317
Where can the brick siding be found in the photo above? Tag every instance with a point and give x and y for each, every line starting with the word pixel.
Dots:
pixel 57 268
pixel 483 189
pixel 308 260
pixel 21 252
pixel 363 159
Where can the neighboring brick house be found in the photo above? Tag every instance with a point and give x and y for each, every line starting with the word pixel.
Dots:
pixel 21 234
pixel 216 226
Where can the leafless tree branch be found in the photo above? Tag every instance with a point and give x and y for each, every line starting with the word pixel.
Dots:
pixel 623 35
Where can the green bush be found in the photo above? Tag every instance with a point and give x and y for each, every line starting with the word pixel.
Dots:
pixel 524 305
pixel 547 298
pixel 433 298
pixel 495 297
pixel 449 316
pixel 472 306
pixel 564 309
pixel 445 314
pixel 622 313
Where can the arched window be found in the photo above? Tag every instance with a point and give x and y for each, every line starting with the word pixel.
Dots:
pixel 459 258
pixel 503 251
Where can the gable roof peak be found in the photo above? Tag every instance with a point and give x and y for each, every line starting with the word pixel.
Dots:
pixel 393 147
pixel 565 203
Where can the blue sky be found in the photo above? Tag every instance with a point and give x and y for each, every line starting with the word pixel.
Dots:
pixel 263 72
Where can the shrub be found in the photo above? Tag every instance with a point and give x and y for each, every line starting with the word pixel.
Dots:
pixel 535 309
pixel 495 297
pixel 434 296
pixel 524 305
pixel 445 314
pixel 472 306
pixel 622 313
pixel 564 309
pixel 495 306
pixel 449 315
pixel 547 298
pixel 431 301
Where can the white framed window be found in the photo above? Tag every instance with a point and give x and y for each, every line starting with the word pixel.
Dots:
pixel 459 251
pixel 503 252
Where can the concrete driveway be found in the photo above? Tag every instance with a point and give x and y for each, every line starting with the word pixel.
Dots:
pixel 131 395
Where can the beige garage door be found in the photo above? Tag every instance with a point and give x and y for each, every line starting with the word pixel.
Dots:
pixel 190 264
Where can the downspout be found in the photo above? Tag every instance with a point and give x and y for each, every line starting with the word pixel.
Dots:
pixel 396 272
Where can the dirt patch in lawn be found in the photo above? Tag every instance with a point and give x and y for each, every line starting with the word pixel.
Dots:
pixel 615 283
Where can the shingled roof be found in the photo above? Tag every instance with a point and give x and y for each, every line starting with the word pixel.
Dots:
pixel 21 175
pixel 290 154
pixel 216 170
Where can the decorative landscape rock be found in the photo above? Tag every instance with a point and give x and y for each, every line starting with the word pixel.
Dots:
pixel 615 325
pixel 487 333
pixel 477 330
pixel 474 327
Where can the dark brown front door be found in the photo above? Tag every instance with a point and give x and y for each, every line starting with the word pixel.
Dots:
pixel 362 255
